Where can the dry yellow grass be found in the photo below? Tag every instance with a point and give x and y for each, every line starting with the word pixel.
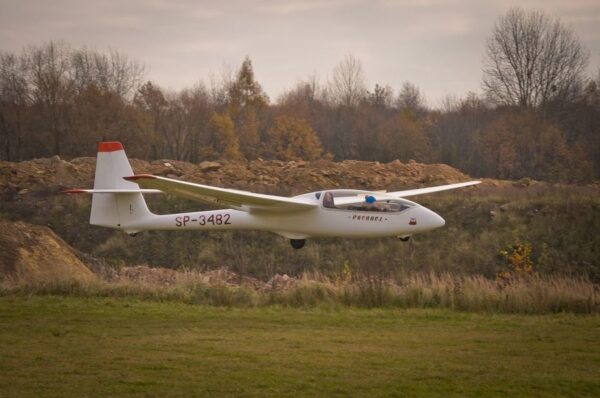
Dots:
pixel 533 295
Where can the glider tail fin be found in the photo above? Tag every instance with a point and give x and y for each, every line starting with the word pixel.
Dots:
pixel 116 210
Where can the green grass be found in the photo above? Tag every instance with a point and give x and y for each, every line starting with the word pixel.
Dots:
pixel 56 346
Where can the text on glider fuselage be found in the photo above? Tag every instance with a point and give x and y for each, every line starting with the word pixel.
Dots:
pixel 213 219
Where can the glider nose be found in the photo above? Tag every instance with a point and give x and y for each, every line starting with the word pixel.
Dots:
pixel 439 221
pixel 435 220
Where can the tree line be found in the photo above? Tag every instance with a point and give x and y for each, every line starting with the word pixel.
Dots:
pixel 538 115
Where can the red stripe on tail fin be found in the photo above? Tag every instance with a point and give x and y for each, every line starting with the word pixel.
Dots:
pixel 110 146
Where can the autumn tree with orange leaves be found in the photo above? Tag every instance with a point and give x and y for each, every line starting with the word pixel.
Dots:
pixel 292 139
pixel 247 103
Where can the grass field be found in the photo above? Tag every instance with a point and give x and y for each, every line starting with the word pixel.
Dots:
pixel 56 346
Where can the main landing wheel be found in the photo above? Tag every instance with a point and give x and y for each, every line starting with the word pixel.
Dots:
pixel 297 243
pixel 404 238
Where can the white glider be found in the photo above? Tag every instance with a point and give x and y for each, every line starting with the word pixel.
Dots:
pixel 117 202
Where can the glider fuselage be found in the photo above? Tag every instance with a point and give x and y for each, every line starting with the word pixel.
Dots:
pixel 320 221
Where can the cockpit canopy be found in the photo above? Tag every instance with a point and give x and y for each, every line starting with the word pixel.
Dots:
pixel 387 205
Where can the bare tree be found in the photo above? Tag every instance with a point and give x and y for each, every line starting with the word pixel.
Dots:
pixel 151 100
pixel 307 91
pixel 220 84
pixel 110 72
pixel 410 98
pixel 14 97
pixel 532 58
pixel 382 96
pixel 52 88
pixel 198 111
pixel 348 84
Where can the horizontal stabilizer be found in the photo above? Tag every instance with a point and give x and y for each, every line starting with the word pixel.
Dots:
pixel 112 191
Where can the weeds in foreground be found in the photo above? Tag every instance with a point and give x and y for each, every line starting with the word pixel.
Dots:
pixel 532 295
pixel 519 264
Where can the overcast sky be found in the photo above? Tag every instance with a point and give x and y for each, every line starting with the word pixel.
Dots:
pixel 435 44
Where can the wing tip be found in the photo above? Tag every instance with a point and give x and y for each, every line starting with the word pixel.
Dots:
pixel 139 177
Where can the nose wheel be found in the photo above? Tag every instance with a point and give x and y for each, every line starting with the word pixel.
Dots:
pixel 404 238
pixel 297 243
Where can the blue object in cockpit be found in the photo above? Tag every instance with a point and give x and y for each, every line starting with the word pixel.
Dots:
pixel 370 199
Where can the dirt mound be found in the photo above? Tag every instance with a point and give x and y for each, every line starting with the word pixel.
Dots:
pixel 40 176
pixel 32 253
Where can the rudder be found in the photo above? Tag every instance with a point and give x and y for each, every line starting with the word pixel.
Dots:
pixel 115 210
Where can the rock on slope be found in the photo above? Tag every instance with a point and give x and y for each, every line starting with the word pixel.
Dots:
pixel 32 253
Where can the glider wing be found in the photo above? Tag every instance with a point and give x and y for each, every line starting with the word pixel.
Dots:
pixel 421 191
pixel 231 198
pixel 379 196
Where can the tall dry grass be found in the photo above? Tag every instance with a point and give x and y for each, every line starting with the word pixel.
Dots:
pixel 534 295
